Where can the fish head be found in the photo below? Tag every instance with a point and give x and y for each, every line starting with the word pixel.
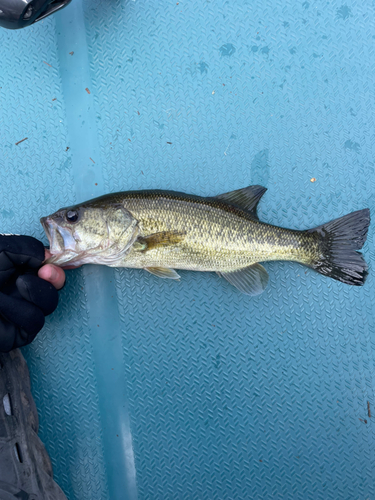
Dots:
pixel 89 234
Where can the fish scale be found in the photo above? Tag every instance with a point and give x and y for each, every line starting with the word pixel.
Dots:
pixel 215 240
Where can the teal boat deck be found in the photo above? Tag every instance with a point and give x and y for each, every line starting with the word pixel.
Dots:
pixel 155 390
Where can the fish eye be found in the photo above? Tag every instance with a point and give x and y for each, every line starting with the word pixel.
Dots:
pixel 72 215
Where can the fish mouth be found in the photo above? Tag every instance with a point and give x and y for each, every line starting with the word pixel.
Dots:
pixel 43 221
pixel 63 246
pixel 56 240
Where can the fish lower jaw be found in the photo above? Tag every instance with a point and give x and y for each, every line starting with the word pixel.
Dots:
pixel 61 258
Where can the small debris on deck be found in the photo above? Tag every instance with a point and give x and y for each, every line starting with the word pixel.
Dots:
pixel 19 142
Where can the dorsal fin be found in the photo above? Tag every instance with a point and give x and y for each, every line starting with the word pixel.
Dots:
pixel 246 198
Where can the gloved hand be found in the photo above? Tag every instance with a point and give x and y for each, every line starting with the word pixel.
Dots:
pixel 25 298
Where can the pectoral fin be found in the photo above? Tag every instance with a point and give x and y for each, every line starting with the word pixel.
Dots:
pixel 163 272
pixel 162 239
pixel 251 280
pixel 246 198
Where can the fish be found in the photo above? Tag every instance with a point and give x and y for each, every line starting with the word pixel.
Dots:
pixel 161 231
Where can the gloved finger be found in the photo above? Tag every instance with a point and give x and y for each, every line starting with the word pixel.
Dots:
pixel 22 250
pixel 23 338
pixel 6 268
pixel 21 313
pixel 39 292
pixel 12 336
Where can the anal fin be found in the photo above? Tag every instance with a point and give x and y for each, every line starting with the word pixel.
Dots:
pixel 250 280
pixel 163 272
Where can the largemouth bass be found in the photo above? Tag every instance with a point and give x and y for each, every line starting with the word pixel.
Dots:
pixel 161 231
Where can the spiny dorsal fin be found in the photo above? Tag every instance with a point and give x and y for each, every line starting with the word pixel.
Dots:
pixel 163 272
pixel 164 238
pixel 251 280
pixel 245 198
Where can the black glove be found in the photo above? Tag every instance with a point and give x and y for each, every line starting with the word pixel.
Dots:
pixel 25 299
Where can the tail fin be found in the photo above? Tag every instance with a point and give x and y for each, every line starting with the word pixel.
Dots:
pixel 339 241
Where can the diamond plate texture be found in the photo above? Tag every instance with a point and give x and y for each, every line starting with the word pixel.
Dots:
pixel 227 396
